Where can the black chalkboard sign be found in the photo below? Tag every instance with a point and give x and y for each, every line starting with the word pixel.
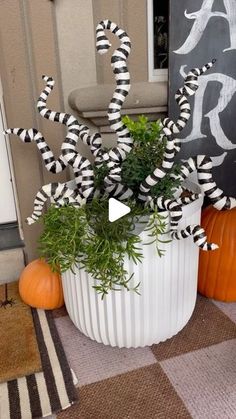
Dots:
pixel 199 31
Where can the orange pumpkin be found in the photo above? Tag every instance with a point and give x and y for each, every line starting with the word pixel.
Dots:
pixel 40 287
pixel 217 269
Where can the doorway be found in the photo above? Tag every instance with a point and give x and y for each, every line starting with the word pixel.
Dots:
pixel 7 201
pixel 9 231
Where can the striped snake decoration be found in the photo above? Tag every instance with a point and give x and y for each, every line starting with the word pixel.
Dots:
pixel 122 77
pixel 170 128
pixel 117 154
pixel 82 168
pixel 75 131
pixel 203 166
pixel 174 207
pixel 32 134
pixel 59 193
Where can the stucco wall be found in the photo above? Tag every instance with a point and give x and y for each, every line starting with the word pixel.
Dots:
pixel 130 15
pixel 76 22
pixel 76 49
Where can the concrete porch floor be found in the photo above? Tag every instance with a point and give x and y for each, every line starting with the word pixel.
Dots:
pixel 12 259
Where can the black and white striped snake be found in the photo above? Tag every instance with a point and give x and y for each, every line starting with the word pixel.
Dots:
pixel 203 166
pixel 170 128
pixel 82 167
pixel 175 213
pixel 60 194
pixel 124 141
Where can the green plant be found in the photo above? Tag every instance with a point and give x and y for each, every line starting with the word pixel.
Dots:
pixel 156 228
pixel 85 238
pixel 146 155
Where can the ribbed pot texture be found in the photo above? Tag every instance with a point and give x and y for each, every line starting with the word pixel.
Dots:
pixel 168 287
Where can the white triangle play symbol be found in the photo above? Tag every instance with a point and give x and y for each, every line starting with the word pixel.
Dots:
pixel 117 210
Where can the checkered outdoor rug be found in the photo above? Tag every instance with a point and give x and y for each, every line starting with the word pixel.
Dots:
pixel 192 375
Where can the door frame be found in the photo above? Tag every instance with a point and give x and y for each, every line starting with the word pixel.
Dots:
pixel 10 162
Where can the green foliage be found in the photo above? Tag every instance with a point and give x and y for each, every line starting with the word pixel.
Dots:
pixel 146 155
pixel 62 241
pixel 143 131
pixel 156 227
pixel 85 238
pixel 167 185
pixel 99 175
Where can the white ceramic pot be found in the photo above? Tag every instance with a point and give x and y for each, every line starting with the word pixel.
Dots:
pixel 168 287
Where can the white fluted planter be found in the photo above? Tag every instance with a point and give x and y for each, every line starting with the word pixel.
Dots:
pixel 168 288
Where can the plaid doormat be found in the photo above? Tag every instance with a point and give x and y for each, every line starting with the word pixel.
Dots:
pixel 42 393
pixel 192 375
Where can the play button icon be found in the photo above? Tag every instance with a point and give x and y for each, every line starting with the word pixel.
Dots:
pixel 116 210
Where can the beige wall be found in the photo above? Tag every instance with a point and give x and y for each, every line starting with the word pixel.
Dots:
pixel 130 15
pixel 76 48
pixel 76 22
pixel 75 32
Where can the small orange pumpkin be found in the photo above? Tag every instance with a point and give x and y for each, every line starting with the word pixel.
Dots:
pixel 40 287
pixel 217 269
